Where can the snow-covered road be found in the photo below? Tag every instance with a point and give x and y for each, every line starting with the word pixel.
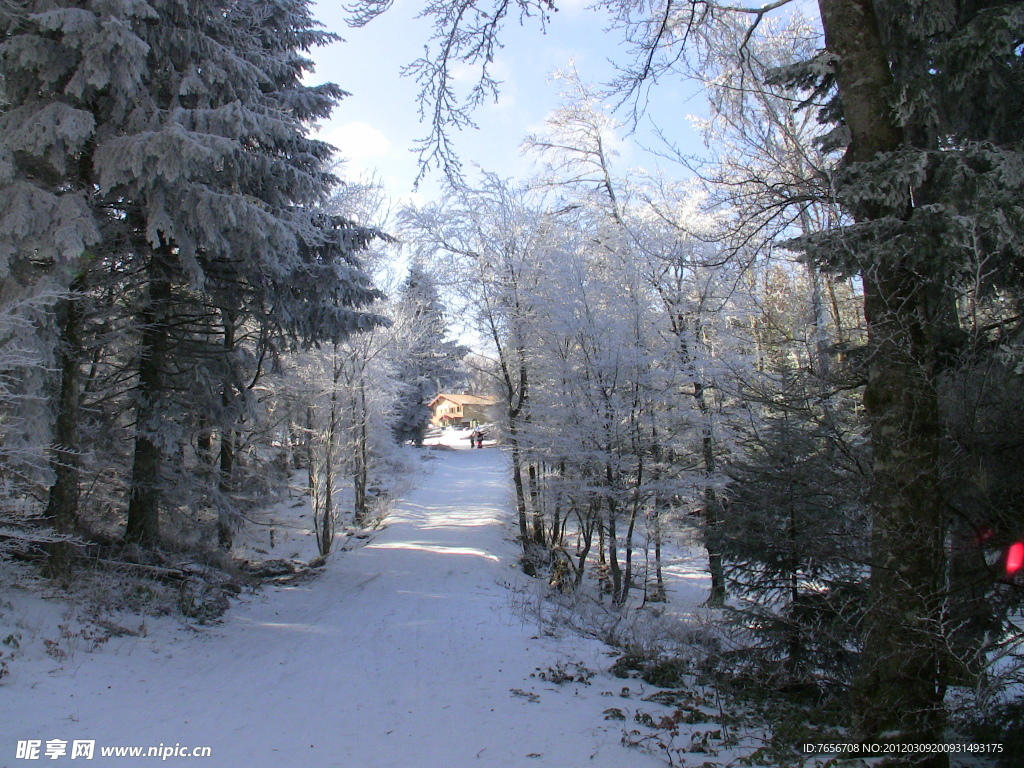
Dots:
pixel 402 654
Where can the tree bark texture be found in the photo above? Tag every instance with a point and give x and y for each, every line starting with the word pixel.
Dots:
pixel 143 525
pixel 897 691
pixel 225 482
pixel 517 482
pixel 62 503
pixel 361 460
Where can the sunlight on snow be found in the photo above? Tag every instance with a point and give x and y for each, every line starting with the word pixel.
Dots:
pixel 431 517
pixel 436 549
pixel 305 628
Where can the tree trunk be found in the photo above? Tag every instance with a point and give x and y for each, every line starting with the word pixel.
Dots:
pixel 312 472
pixel 659 595
pixel 225 483
pixel 517 481
pixel 898 683
pixel 627 576
pixel 613 553
pixel 62 503
pixel 204 444
pixel 360 473
pixel 326 483
pixel 897 690
pixel 536 512
pixel 225 486
pixel 712 511
pixel 143 526
pixel 557 522
pixel 587 535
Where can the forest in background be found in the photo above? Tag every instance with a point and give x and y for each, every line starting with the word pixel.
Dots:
pixel 810 353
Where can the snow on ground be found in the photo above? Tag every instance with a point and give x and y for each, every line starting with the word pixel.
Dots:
pixel 403 653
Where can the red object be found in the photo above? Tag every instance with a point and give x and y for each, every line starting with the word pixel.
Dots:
pixel 1014 558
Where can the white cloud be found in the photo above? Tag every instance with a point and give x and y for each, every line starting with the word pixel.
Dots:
pixel 461 72
pixel 359 142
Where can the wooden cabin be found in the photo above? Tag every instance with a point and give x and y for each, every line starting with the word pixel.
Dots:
pixel 464 411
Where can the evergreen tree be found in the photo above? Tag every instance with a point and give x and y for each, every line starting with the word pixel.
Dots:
pixel 926 95
pixel 238 210
pixel 431 363
pixel 70 74
pixel 794 534
pixel 175 135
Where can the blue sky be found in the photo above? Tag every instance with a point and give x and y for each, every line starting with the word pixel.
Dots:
pixel 377 125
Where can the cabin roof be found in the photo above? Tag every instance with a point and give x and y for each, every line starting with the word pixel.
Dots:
pixel 465 399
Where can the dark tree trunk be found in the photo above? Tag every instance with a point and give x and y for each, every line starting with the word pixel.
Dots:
pixel 659 595
pixel 898 683
pixel 361 464
pixel 517 482
pixel 627 575
pixel 712 509
pixel 614 569
pixel 536 512
pixel 144 498
pixel 557 522
pixel 62 503
pixel 225 482
pixel 204 444
pixel 587 535
pixel 897 690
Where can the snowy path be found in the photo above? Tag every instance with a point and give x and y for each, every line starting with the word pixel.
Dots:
pixel 403 654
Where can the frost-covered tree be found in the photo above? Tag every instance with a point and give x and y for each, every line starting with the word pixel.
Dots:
pixel 921 100
pixel 68 74
pixel 490 239
pixel 922 94
pixel 176 137
pixel 432 361
pixel 24 364
pixel 660 230
pixel 599 396
pixel 233 215
pixel 341 397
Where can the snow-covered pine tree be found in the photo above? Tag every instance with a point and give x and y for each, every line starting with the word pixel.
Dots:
pixel 794 534
pixel 25 363
pixel 55 62
pixel 236 205
pixel 926 95
pixel 68 73
pixel 190 130
pixel 432 361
